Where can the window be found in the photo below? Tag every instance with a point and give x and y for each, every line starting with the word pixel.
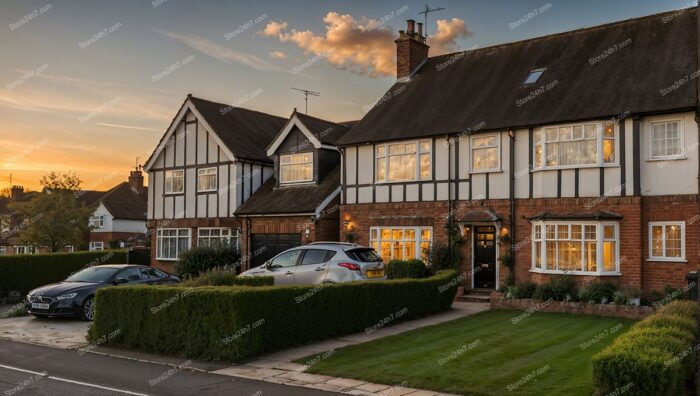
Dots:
pixel 25 249
pixel 3 250
pixel 534 76
pixel 206 179
pixel 218 237
pixel 286 259
pixel 97 221
pixel 579 248
pixel 401 243
pixel 666 139
pixel 403 161
pixel 296 168
pixel 667 241
pixel 485 153
pixel 578 145
pixel 96 246
pixel 174 181
pixel 4 223
pixel 170 242
pixel 316 256
pixel 132 275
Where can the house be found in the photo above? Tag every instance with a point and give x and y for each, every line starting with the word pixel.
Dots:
pixel 576 151
pixel 209 162
pixel 299 203
pixel 119 219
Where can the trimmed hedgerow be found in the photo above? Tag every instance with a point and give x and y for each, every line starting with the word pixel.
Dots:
pixel 24 272
pixel 221 277
pixel 400 269
pixel 203 258
pixel 237 323
pixel 657 356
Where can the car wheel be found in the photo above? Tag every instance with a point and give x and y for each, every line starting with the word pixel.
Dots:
pixel 89 309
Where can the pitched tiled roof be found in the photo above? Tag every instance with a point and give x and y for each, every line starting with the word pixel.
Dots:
pixel 624 67
pixel 326 132
pixel 246 133
pixel 301 199
pixel 123 202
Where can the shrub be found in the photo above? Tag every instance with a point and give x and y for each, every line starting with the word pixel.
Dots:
pixel 688 309
pixel 221 277
pixel 199 259
pixel 527 289
pixel 398 269
pixel 238 323
pixel 441 258
pixel 620 297
pixel 603 291
pixel 559 288
pixel 28 271
pixel 664 320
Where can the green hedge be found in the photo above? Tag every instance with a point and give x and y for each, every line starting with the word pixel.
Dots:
pixel 657 355
pixel 221 277
pixel 400 269
pixel 238 323
pixel 25 272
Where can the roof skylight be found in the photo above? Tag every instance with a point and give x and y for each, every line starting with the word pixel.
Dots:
pixel 534 76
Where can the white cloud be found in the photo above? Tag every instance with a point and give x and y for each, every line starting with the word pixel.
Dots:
pixel 278 55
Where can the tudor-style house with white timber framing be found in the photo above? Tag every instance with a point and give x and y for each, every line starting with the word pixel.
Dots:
pixel 211 160
pixel 581 159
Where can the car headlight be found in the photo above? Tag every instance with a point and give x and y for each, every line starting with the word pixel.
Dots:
pixel 67 296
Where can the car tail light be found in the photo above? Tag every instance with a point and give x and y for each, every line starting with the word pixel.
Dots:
pixel 350 266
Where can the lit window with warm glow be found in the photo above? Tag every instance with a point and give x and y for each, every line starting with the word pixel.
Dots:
pixel 485 153
pixel 575 248
pixel 296 168
pixel 401 243
pixel 667 241
pixel 405 161
pixel 576 145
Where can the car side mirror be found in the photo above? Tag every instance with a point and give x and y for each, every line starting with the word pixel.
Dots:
pixel 119 281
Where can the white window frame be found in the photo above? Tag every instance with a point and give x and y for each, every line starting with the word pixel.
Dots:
pixel 3 250
pixel 600 138
pixel 376 243
pixel 160 237
pixel 385 157
pixel 98 221
pixel 665 224
pixel 681 134
pixel 233 235
pixel 600 239
pixel 96 246
pixel 203 172
pixel 22 249
pixel 310 162
pixel 168 189
pixel 472 148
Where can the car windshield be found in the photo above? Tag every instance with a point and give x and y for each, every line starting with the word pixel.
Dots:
pixel 366 255
pixel 94 274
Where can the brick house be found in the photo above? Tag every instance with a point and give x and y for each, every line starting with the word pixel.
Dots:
pixel 576 150
pixel 299 203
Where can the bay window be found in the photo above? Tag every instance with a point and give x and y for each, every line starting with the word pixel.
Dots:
pixel 401 243
pixel 666 139
pixel 580 248
pixel 406 161
pixel 206 179
pixel 667 241
pixel 171 242
pixel 296 168
pixel 576 145
pixel 485 153
pixel 174 181
pixel 216 237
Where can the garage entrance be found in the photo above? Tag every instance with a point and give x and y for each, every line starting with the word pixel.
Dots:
pixel 267 246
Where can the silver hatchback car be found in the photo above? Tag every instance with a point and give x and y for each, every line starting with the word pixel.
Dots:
pixel 322 263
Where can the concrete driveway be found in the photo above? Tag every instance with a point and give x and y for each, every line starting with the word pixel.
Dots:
pixel 53 332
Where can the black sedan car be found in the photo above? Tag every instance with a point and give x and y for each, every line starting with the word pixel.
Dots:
pixel 75 297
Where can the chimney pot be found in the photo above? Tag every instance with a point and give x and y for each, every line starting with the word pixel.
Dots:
pixel 410 26
pixel 136 181
pixel 420 29
pixel 16 191
pixel 411 50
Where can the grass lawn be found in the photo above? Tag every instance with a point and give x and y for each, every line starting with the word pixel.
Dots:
pixel 484 354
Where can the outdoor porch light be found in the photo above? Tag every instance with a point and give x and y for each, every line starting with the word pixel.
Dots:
pixel 504 231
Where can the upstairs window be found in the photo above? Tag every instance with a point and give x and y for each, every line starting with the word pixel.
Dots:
pixel 206 179
pixel 174 181
pixel 577 145
pixel 97 221
pixel 296 168
pixel 486 153
pixel 406 161
pixel 666 139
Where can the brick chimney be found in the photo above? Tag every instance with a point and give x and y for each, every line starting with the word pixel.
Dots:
pixel 16 191
pixel 136 180
pixel 411 50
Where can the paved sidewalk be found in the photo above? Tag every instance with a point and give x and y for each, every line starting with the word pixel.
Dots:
pixel 278 367
pixel 52 332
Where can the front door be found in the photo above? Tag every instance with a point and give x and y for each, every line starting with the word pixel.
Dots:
pixel 485 257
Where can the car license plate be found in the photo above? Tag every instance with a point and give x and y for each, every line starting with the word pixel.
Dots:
pixel 375 273
pixel 40 306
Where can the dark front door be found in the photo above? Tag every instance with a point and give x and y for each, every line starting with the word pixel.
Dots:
pixel 267 246
pixel 485 257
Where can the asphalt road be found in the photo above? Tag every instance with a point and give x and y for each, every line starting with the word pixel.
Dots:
pixel 27 369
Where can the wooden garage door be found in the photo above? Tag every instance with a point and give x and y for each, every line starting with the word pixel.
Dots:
pixel 267 246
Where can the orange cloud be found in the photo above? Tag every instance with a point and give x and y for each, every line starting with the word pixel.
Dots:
pixel 362 46
pixel 278 55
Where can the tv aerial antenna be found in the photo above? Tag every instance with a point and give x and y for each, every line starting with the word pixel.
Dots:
pixel 306 93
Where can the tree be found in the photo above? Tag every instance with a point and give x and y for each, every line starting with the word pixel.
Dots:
pixel 53 218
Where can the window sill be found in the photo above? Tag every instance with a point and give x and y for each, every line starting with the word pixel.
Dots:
pixel 671 158
pixel 577 273
pixel 476 172
pixel 667 260
pixel 572 167
pixel 382 183
pixel 165 259
pixel 296 183
pixel 173 193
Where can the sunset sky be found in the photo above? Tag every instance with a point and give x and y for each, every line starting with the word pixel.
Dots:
pixel 89 86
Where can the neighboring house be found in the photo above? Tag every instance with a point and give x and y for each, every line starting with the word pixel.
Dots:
pixel 209 162
pixel 299 204
pixel 581 147
pixel 120 216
